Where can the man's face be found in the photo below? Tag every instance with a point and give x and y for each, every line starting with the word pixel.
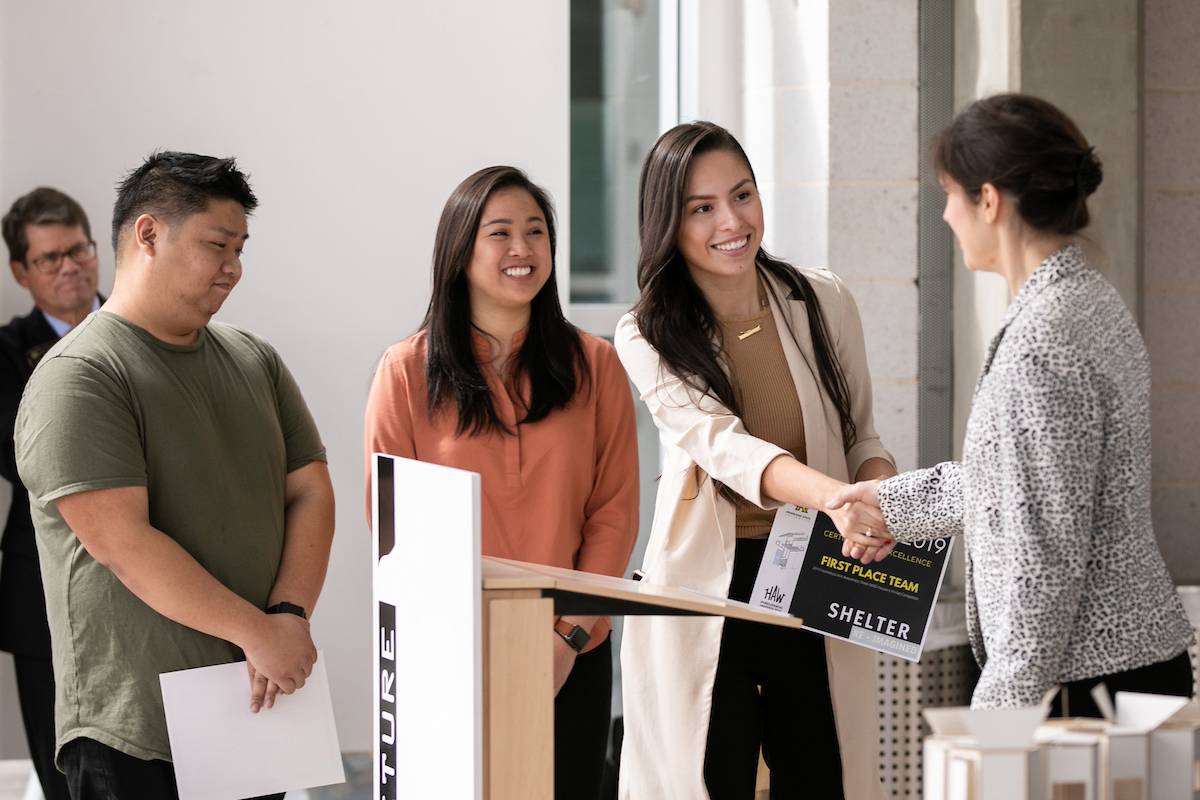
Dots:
pixel 68 289
pixel 199 261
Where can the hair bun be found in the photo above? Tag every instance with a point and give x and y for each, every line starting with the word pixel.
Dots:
pixel 1089 172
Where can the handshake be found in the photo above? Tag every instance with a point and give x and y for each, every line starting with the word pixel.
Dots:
pixel 854 508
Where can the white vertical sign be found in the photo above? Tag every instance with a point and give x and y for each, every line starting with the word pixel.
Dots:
pixel 427 663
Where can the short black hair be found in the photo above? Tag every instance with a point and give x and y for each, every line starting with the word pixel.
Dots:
pixel 175 185
pixel 42 206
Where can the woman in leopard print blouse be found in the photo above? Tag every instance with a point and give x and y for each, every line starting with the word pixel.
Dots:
pixel 1065 581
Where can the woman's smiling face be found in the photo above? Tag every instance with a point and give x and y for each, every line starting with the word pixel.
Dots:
pixel 722 224
pixel 510 262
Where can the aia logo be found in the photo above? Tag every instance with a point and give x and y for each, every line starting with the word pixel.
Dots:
pixel 772 594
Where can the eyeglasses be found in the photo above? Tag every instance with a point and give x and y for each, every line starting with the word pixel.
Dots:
pixel 51 263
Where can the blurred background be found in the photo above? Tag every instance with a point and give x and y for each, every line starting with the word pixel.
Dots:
pixel 355 121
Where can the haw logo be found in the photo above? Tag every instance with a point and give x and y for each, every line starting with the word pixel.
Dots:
pixel 772 594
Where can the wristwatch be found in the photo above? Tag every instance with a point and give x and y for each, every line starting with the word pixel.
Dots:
pixel 573 635
pixel 287 608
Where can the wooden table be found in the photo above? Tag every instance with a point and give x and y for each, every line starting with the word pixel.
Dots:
pixel 520 602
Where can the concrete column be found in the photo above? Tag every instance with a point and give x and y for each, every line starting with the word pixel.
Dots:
pixel 1171 276
pixel 1086 62
pixel 872 197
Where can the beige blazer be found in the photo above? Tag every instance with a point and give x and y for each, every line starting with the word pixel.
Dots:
pixel 668 663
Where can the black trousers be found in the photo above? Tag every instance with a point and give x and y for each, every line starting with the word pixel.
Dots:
pixel 771 690
pixel 96 771
pixel 582 711
pixel 35 692
pixel 1173 676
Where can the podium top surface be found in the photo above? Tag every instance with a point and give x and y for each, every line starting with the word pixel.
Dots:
pixel 503 574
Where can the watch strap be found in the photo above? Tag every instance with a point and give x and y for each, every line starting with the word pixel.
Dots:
pixel 574 635
pixel 285 607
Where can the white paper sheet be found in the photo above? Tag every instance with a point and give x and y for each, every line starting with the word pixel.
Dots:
pixel 222 751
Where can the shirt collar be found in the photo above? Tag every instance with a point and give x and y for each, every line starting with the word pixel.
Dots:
pixel 62 327
pixel 482 344
pixel 1062 263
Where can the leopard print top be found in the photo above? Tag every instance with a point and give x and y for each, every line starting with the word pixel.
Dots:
pixel 1064 577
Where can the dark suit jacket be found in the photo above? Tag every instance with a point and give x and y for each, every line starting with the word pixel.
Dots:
pixel 23 627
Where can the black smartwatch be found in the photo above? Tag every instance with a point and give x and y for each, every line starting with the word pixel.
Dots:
pixel 576 637
pixel 287 608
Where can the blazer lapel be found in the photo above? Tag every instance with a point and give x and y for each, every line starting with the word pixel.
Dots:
pixel 1054 268
pixel 791 316
pixel 993 346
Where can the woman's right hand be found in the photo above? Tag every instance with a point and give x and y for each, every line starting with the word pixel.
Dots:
pixel 857 518
pixel 855 510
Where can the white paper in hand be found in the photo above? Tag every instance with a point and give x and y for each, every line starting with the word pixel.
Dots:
pixel 223 751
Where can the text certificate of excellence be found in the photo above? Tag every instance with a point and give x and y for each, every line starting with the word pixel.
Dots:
pixel 885 606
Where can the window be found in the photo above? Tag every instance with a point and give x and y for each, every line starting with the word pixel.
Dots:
pixel 621 96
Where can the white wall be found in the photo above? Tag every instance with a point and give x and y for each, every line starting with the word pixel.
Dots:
pixel 355 121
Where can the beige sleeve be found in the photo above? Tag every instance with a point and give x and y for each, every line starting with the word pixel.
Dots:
pixel 697 423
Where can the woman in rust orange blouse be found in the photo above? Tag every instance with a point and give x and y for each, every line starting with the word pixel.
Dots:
pixel 496 381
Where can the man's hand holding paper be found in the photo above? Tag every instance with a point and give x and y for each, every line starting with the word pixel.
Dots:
pixel 279 657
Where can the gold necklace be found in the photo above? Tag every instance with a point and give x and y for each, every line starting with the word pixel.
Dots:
pixel 746 334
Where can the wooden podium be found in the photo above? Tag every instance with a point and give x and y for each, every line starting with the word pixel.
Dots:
pixel 464 694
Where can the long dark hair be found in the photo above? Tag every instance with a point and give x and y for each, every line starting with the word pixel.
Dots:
pixel 1028 148
pixel 673 314
pixel 552 354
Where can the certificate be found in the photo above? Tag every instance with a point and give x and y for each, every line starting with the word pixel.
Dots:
pixel 885 606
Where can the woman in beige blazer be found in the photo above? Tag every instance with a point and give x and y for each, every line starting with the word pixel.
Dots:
pixel 756 376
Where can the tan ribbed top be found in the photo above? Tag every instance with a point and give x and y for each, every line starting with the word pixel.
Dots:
pixel 770 407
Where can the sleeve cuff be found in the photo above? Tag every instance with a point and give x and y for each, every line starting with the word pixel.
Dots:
pixel 89 486
pixel 303 461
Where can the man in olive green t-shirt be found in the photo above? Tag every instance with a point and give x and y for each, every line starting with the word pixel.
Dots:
pixel 178 485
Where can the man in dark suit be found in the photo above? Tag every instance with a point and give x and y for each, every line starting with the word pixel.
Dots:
pixel 52 254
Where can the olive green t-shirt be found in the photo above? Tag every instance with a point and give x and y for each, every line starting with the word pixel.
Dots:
pixel 211 430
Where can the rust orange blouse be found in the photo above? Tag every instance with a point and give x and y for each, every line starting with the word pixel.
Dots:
pixel 563 491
